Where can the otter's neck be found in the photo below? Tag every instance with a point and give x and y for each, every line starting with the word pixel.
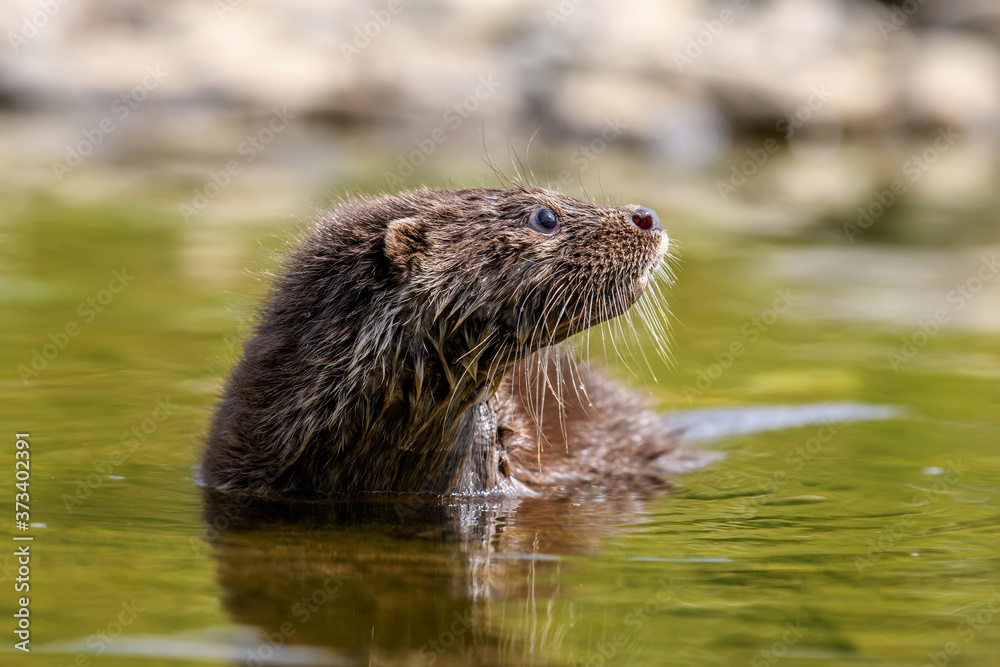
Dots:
pixel 438 430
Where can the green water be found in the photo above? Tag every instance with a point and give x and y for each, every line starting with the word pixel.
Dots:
pixel 869 543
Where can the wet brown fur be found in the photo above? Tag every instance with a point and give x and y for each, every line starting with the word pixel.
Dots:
pixel 411 345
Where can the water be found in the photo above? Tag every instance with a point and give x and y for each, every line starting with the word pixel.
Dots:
pixel 856 543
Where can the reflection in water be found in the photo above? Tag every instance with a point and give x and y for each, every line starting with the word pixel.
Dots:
pixel 410 580
pixel 393 581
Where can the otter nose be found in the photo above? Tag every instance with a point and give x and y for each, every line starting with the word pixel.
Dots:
pixel 646 219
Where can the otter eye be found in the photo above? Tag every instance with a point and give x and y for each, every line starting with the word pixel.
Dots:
pixel 544 221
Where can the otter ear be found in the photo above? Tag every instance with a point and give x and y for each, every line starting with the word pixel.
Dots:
pixel 405 241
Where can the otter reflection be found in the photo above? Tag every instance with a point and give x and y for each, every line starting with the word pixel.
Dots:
pixel 439 581
pixel 390 581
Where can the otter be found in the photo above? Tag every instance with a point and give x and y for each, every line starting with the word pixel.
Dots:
pixel 414 344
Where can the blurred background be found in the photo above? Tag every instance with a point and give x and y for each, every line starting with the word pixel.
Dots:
pixel 829 170
pixel 849 122
pixel 100 95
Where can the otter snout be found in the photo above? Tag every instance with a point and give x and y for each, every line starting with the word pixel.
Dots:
pixel 646 219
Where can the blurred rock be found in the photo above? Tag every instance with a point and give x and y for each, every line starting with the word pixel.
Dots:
pixel 954 79
pixel 686 79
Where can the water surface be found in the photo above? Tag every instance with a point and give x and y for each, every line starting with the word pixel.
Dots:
pixel 862 543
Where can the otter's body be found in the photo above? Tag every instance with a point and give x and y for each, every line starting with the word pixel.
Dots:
pixel 410 345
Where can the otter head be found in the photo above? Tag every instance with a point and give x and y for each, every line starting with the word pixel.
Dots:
pixel 395 321
pixel 494 275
